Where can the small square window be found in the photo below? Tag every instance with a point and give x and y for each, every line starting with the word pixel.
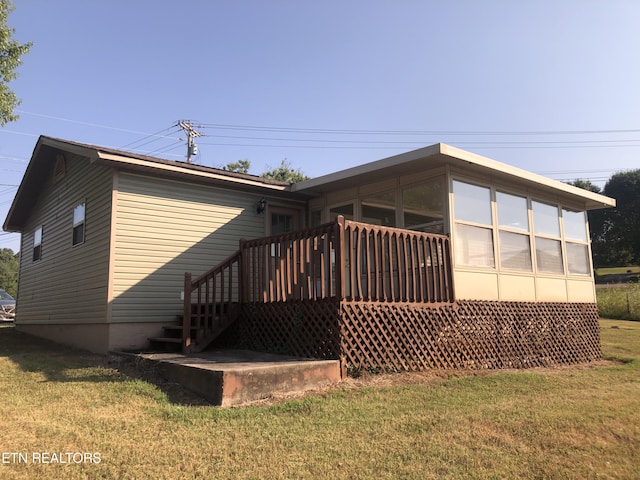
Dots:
pixel 78 224
pixel 37 244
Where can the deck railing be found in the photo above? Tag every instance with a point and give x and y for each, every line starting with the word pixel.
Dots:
pixel 386 264
pixel 211 302
pixel 342 259
pixel 292 266
pixel 378 264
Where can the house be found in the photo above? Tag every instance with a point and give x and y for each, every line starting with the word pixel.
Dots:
pixel 435 257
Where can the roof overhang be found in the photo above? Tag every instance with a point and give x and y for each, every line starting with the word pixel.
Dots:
pixel 442 155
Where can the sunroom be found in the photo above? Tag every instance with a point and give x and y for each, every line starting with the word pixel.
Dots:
pixel 516 236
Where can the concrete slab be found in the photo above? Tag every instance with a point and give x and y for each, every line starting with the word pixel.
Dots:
pixel 234 377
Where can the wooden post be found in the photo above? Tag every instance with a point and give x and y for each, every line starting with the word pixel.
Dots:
pixel 186 319
pixel 340 266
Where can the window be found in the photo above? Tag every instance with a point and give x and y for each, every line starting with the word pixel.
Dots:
pixel 549 255
pixel 474 246
pixel 512 211
pixel 545 219
pixel 515 251
pixel 380 209
pixel 281 223
pixel 546 225
pixel 78 224
pixel 513 222
pixel 575 225
pixel 345 210
pixel 423 206
pixel 575 234
pixel 37 244
pixel 474 229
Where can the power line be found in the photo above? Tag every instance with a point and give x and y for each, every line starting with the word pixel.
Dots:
pixel 413 132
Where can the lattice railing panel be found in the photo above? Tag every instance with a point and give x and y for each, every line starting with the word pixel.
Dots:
pixel 470 334
pixel 305 328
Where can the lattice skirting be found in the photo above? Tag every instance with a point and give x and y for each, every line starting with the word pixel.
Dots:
pixel 469 334
pixel 305 328
pixel 411 337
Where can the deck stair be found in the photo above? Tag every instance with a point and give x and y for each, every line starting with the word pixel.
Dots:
pixel 211 325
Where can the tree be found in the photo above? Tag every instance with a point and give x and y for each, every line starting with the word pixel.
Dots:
pixel 585 185
pixel 285 173
pixel 9 264
pixel 241 166
pixel 11 53
pixel 615 232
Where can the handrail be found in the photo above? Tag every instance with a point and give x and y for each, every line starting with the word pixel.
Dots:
pixel 215 291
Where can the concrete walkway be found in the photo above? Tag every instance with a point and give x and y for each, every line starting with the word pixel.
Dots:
pixel 234 377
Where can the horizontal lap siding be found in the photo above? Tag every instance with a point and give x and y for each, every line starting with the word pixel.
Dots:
pixel 166 228
pixel 69 283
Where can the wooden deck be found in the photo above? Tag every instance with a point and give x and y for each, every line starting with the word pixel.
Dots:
pixel 376 298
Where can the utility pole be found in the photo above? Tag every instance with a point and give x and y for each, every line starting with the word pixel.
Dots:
pixel 192 148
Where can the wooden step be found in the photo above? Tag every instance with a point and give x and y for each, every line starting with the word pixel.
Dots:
pixel 176 328
pixel 166 339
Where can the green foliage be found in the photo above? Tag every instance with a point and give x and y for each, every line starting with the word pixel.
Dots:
pixel 620 302
pixel 241 166
pixel 9 264
pixel 11 53
pixel 615 232
pixel 285 173
pixel 585 185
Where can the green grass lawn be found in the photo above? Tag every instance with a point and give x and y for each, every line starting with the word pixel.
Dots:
pixel 616 270
pixel 569 423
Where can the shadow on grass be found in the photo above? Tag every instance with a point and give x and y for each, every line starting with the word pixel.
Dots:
pixel 59 363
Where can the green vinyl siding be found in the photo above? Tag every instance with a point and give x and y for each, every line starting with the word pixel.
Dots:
pixel 68 284
pixel 165 228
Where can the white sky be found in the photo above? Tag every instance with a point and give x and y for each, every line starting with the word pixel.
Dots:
pixel 549 86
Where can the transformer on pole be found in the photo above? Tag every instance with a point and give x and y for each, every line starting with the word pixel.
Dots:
pixel 192 148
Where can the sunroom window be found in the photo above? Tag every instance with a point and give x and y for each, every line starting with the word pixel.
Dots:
pixel 345 210
pixel 473 228
pixel 380 209
pixel 575 234
pixel 514 239
pixel 423 206
pixel 546 226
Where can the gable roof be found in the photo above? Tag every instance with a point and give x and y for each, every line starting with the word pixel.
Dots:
pixel 441 155
pixel 44 154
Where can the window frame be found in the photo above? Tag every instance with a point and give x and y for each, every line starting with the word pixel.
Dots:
pixel 565 245
pixel 548 236
pixel 492 263
pixel 509 229
pixel 80 223
pixel 37 245
pixel 584 243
